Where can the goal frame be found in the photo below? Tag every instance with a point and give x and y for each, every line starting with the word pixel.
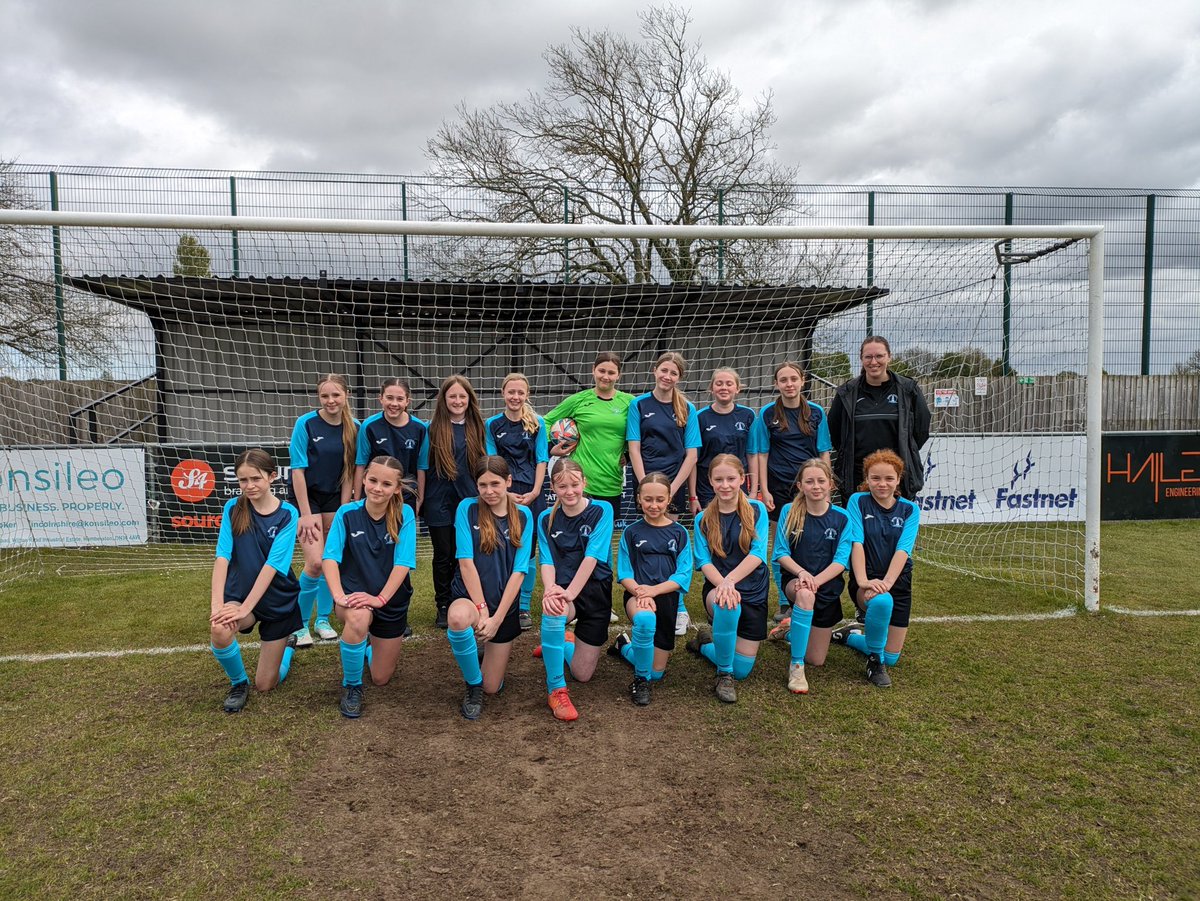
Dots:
pixel 1092 233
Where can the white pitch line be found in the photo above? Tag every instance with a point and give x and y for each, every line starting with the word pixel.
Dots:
pixel 1128 612
pixel 1064 613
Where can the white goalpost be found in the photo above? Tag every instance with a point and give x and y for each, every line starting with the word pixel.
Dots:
pixel 219 326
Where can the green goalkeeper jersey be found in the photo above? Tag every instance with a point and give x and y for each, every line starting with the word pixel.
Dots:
pixel 601 437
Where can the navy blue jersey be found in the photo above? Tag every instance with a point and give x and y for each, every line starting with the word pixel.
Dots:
pixel 883 532
pixel 724 433
pixel 316 448
pixel 496 568
pixel 442 495
pixel 824 540
pixel 521 450
pixel 379 438
pixel 651 555
pixel 663 443
pixel 365 552
pixel 572 538
pixel 753 587
pixel 787 450
pixel 269 541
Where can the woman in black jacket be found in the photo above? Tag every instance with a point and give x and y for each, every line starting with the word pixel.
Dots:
pixel 879 409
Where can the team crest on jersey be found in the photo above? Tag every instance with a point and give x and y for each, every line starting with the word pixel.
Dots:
pixel 271 531
pixel 672 546
pixel 739 426
pixel 585 530
pixel 898 521
pixel 409 443
pixel 831 534
pixel 891 398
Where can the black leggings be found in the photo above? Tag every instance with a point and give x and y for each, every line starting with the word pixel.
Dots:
pixel 444 563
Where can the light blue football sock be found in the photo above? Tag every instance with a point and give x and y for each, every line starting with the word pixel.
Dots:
pixel 709 653
pixel 324 599
pixel 554 628
pixel 879 616
pixel 568 650
pixel 627 654
pixel 527 583
pixel 230 659
pixel 742 666
pixel 657 674
pixel 891 659
pixel 353 656
pixel 367 655
pixel 777 576
pixel 466 653
pixel 798 633
pixel 285 663
pixel 858 642
pixel 308 596
pixel 642 644
pixel 724 627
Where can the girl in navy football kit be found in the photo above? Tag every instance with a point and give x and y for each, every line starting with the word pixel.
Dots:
pixel 663 435
pixel 456 445
pixel 393 432
pixel 575 551
pixel 252 580
pixel 731 551
pixel 883 528
pixel 371 550
pixel 654 566
pixel 726 427
pixel 322 464
pixel 812 549
pixel 494 535
pixel 519 436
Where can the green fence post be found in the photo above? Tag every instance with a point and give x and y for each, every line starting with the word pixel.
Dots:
pixel 870 263
pixel 237 262
pixel 721 242
pixel 1006 351
pixel 404 216
pixel 1147 283
pixel 60 310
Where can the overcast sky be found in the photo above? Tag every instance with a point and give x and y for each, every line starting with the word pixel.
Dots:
pixel 1065 93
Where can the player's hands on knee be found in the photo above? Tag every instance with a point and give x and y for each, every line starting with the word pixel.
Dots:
pixel 309 528
pixel 554 601
pixel 486 627
pixel 227 617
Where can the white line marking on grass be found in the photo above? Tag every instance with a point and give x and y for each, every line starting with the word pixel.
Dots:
pixel 1064 613
pixel 1129 612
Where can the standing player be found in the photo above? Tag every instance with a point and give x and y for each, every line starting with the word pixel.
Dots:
pixel 494 535
pixel 372 548
pixel 731 551
pixel 322 465
pixel 664 436
pixel 456 445
pixel 654 565
pixel 393 432
pixel 575 548
pixel 519 436
pixel 789 430
pixel 812 550
pixel 252 580
pixel 726 427
pixel 883 527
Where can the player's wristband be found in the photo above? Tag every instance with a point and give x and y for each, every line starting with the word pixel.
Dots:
pixel 482 608
pixel 382 600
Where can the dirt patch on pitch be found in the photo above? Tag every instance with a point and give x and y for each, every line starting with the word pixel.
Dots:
pixel 664 801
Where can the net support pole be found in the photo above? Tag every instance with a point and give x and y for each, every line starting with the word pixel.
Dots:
pixel 1147 283
pixel 870 263
pixel 1095 412
pixel 60 307
pixel 233 235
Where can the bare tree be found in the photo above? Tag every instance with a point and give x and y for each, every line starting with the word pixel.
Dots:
pixel 29 315
pixel 1190 366
pixel 625 131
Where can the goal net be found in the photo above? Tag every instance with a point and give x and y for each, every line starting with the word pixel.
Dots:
pixel 168 346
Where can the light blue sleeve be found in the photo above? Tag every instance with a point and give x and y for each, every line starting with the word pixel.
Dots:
pixel 633 422
pixel 624 564
pixel 691 429
pixel 823 441
pixel 908 538
pixel 225 535
pixel 544 556
pixel 298 449
pixel 406 543
pixel 701 554
pixel 489 443
pixel 464 541
pixel 854 528
pixel 782 545
pixel 683 564
pixel 423 453
pixel 335 541
pixel 842 553
pixel 525 551
pixel 762 526
pixel 283 545
pixel 599 546
pixel 758 435
pixel 541 443
pixel 362 449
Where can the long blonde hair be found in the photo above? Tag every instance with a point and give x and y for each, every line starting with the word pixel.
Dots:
pixel 803 419
pixel 529 419
pixel 441 432
pixel 489 534
pixel 394 515
pixel 257 458
pixel 679 400
pixel 564 466
pixel 794 525
pixel 710 522
pixel 349 427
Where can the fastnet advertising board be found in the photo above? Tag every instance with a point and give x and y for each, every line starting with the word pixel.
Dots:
pixel 1003 478
pixel 72 497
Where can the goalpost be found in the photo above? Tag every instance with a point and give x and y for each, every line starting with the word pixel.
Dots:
pixel 220 326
